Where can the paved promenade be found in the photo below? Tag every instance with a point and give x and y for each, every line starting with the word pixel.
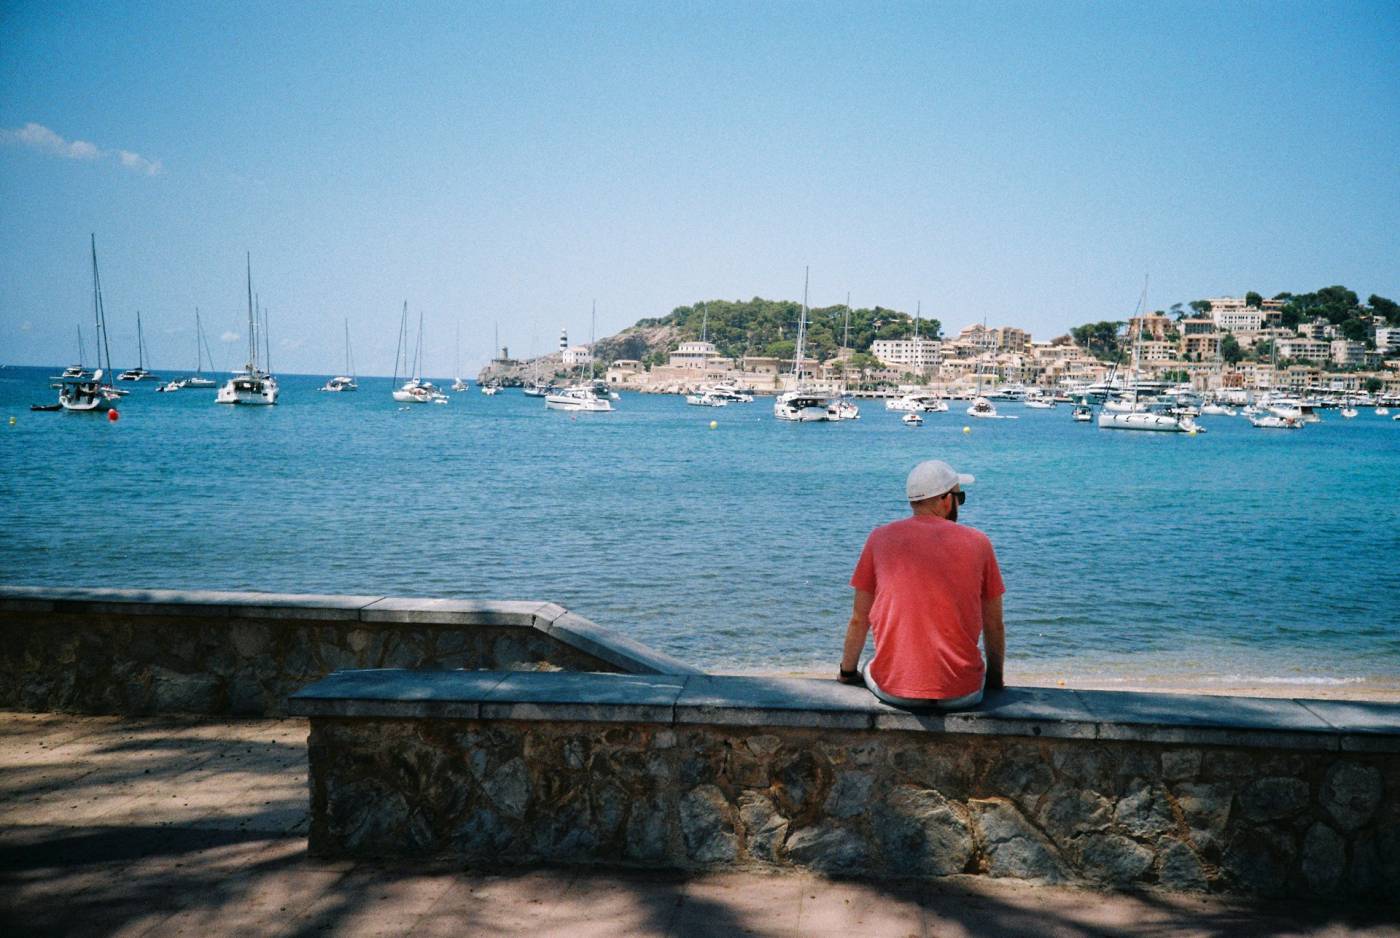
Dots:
pixel 161 826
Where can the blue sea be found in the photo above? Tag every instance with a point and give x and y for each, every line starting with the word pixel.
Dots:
pixel 1232 557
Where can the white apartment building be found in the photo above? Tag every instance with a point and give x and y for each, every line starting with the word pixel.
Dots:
pixel 1155 351
pixel 576 355
pixel 1313 350
pixel 916 354
pixel 1387 339
pixel 1236 319
pixel 1348 352
pixel 698 355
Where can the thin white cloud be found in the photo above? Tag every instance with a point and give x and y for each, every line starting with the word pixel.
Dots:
pixel 40 138
pixel 26 326
pixel 229 337
pixel 291 345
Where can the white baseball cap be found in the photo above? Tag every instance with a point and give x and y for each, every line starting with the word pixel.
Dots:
pixel 932 478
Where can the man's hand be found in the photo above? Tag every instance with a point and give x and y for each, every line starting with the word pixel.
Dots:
pixel 994 681
pixel 851 677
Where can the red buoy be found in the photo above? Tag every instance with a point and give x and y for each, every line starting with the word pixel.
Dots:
pixel 112 415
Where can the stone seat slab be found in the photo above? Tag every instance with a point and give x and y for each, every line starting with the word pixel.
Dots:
pixel 584 696
pixel 1020 711
pixel 1366 726
pixel 1207 719
pixel 178 603
pixel 392 692
pixel 423 611
pixel 752 701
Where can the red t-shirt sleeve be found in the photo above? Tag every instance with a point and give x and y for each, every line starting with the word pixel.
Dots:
pixel 992 586
pixel 864 577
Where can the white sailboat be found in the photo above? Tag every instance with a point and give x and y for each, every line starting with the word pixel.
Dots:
pixel 201 351
pixel 139 373
pixel 415 390
pixel 345 382
pixel 83 392
pixel 981 406
pixel 1134 417
pixel 803 405
pixel 252 386
pixel 458 385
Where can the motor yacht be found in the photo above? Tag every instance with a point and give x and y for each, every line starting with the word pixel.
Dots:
pixel 339 384
pixel 981 407
pixel 578 397
pixel 912 419
pixel 1274 422
pixel 804 407
pixel 1146 420
pixel 1082 413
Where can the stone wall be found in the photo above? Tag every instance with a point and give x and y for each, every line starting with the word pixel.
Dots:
pixel 133 652
pixel 1002 793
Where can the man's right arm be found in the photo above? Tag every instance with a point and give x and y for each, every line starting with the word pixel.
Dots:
pixel 994 640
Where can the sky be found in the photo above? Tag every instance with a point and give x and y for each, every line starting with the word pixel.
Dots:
pixel 505 166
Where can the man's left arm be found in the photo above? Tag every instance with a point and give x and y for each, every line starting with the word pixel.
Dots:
pixel 994 640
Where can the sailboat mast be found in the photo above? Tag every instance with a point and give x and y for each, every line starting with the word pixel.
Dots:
pixel 801 331
pixel 140 344
pixel 82 352
pixel 252 324
pixel 592 337
pixel 348 369
pixel 98 313
pixel 846 336
pixel 267 342
pixel 418 350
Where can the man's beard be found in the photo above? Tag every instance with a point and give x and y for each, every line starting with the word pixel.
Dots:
pixel 953 512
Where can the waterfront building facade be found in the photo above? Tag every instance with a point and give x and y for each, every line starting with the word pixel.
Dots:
pixel 909 354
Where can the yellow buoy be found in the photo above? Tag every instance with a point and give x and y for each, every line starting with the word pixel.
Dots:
pixel 967 429
pixel 714 424
pixel 12 421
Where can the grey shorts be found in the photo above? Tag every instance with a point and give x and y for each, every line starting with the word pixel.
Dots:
pixel 947 703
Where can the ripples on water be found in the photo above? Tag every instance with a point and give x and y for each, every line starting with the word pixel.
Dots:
pixel 1236 552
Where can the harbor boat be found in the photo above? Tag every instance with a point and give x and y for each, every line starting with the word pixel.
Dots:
pixel 538 389
pixel 730 393
pixel 706 399
pixel 1348 411
pixel 1274 422
pixel 1039 400
pixel 981 407
pixel 1131 413
pixel 918 402
pixel 414 390
pixel 85 394
pixel 587 394
pixel 1382 411
pixel 803 405
pixel 912 420
pixel 846 409
pixel 1082 413
pixel 490 390
pixel 139 373
pixel 252 386
pixel 579 397
pixel 201 350
pixel 79 391
pixel 1218 410
pixel 78 370
pixel 458 385
pixel 345 382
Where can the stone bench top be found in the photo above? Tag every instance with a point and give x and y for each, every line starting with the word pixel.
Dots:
pixel 733 701
pixel 380 611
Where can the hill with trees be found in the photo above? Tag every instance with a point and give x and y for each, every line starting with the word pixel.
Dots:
pixel 761 327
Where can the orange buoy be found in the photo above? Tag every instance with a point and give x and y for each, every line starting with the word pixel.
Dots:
pixel 112 415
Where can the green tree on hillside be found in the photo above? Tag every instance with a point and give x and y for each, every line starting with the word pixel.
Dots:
pixel 1230 349
pixel 1100 339
pixel 1253 299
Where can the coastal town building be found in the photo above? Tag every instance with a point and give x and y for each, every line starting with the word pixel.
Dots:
pixel 576 356
pixel 1388 339
pixel 1153 327
pixel 917 354
pixel 1348 352
pixel 1304 348
pixel 699 355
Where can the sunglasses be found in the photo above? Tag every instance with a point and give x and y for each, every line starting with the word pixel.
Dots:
pixel 959 495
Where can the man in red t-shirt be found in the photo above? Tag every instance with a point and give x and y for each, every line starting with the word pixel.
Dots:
pixel 930 588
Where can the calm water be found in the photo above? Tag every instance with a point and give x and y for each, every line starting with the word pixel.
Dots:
pixel 1235 555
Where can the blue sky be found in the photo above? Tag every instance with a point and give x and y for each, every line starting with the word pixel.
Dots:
pixel 510 163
